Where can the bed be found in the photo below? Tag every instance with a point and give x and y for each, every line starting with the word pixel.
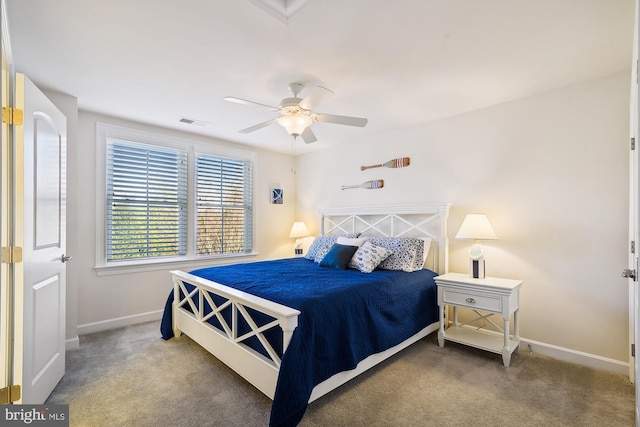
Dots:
pixel 297 329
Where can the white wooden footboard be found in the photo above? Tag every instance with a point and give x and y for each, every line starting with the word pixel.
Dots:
pixel 226 344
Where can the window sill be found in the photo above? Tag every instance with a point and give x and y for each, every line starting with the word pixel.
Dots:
pixel 171 264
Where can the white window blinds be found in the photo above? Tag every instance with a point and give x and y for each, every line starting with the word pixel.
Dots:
pixel 146 201
pixel 224 205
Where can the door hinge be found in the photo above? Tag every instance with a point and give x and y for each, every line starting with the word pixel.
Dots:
pixel 12 116
pixel 633 350
pixel 10 394
pixel 630 274
pixel 633 144
pixel 633 247
pixel 11 254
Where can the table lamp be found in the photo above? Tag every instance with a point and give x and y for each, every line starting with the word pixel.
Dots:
pixel 476 227
pixel 298 231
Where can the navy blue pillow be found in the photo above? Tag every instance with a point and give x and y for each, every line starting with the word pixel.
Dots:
pixel 338 256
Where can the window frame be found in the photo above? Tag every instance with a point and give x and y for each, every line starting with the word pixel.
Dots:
pixel 126 198
pixel 226 165
pixel 106 131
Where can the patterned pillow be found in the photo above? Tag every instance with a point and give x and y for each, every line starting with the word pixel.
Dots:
pixel 324 242
pixel 368 257
pixel 422 253
pixel 321 254
pixel 405 252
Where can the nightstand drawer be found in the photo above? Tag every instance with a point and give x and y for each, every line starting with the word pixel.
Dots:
pixel 466 299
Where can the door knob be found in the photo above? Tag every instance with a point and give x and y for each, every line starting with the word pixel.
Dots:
pixel 65 258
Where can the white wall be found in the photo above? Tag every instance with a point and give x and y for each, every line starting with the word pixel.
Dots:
pixel 102 300
pixel 551 172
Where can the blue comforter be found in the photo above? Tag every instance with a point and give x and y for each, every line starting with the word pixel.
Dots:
pixel 345 316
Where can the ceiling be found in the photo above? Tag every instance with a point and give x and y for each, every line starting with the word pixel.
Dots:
pixel 399 63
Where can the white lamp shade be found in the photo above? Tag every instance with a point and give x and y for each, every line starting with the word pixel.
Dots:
pixel 476 227
pixel 295 123
pixel 298 230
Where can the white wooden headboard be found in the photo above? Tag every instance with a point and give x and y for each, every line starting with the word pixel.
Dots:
pixel 395 221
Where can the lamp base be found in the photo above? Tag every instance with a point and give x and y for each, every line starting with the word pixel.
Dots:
pixel 476 268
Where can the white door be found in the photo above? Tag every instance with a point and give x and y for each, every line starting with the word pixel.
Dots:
pixel 40 203
pixel 634 291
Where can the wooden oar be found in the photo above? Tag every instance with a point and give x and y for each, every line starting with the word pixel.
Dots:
pixel 376 183
pixel 395 163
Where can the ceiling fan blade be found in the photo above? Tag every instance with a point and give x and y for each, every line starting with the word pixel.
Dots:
pixel 319 94
pixel 255 104
pixel 307 136
pixel 259 126
pixel 341 120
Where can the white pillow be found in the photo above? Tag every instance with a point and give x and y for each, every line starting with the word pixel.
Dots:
pixel 351 241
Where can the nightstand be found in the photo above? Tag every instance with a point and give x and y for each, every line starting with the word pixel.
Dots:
pixel 486 297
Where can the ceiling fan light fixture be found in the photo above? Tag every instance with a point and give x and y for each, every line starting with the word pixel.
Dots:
pixel 295 123
pixel 297 115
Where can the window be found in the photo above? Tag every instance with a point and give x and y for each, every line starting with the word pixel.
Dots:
pixel 146 201
pixel 223 195
pixel 165 201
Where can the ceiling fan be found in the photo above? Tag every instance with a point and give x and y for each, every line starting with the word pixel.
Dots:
pixel 296 114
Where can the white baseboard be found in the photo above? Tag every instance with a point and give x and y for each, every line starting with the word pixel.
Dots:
pixel 568 355
pixel 574 356
pixel 119 322
pixel 72 343
pixel 550 350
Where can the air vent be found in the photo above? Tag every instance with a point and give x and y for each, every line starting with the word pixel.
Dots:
pixel 193 122
pixel 282 10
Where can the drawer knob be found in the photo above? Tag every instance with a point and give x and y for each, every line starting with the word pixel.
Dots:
pixel 470 300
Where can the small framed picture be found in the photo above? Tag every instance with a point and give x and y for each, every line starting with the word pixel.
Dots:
pixel 277 196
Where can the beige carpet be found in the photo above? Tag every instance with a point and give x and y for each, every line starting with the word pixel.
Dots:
pixel 131 377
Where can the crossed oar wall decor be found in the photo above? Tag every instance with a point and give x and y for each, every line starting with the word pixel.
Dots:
pixel 379 183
